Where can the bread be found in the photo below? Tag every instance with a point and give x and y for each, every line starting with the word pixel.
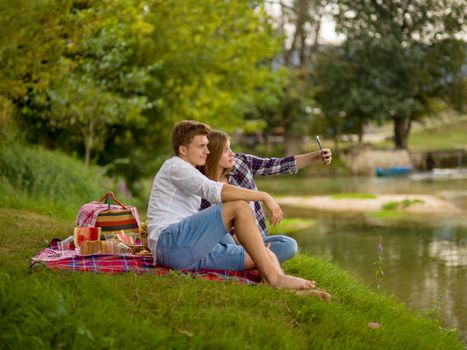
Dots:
pixel 112 246
pixel 91 247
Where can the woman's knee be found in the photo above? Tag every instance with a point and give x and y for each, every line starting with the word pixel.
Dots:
pixel 290 248
pixel 284 247
pixel 292 245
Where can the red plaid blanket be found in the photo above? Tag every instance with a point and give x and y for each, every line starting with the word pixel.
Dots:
pixel 55 259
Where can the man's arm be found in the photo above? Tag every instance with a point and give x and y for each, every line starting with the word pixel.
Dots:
pixel 234 193
pixel 191 180
pixel 304 160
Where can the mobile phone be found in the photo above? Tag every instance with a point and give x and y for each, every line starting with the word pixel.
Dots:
pixel 319 143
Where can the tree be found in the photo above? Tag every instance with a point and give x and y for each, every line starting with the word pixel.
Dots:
pixel 400 55
pixel 299 24
pixel 80 104
pixel 31 46
pixel 105 87
pixel 92 83
pixel 213 59
pixel 107 80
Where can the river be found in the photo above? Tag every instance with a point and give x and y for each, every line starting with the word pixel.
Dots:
pixel 424 258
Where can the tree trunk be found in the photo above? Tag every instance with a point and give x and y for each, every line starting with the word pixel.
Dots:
pixel 360 135
pixel 315 46
pixel 401 132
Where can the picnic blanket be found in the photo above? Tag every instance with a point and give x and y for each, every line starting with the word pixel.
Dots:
pixel 55 259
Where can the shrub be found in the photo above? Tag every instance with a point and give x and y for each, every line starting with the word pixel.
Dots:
pixel 31 177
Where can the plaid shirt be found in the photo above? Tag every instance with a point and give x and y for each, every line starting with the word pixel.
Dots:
pixel 245 167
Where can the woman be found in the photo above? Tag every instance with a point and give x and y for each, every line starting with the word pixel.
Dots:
pixel 238 169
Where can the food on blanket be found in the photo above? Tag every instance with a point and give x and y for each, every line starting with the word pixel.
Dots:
pixel 144 252
pixel 120 248
pixel 138 248
pixel 126 238
pixel 91 247
pixel 143 232
pixel 82 234
pixel 108 247
pixel 104 247
pixel 109 236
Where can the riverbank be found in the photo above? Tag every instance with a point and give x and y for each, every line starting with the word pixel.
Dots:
pixel 409 203
pixel 43 309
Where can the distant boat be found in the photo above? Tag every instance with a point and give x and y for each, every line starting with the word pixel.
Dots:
pixel 394 170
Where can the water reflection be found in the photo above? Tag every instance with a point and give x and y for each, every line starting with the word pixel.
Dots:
pixel 451 253
pixel 425 263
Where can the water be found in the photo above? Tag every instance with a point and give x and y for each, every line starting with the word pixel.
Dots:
pixel 424 258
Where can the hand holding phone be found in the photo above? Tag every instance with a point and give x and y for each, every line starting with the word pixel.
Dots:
pixel 319 143
pixel 326 156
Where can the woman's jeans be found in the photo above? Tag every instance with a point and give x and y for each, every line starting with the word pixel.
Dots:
pixel 284 247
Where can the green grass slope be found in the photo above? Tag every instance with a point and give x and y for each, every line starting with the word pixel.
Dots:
pixel 449 136
pixel 44 309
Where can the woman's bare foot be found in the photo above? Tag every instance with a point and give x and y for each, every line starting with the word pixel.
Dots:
pixel 290 282
pixel 320 294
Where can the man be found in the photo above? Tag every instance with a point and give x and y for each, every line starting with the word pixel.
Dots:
pixel 182 237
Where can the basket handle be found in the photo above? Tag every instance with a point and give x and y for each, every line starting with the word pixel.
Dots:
pixel 111 194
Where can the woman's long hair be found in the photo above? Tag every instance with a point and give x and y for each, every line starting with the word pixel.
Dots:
pixel 216 146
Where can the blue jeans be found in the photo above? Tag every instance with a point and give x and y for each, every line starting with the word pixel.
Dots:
pixel 284 247
pixel 200 241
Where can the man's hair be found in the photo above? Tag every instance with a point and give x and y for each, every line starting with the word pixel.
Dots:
pixel 184 132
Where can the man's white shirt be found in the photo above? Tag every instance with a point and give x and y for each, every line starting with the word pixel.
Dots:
pixel 176 194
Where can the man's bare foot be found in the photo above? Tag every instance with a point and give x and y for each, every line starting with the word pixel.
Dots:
pixel 374 325
pixel 290 282
pixel 320 294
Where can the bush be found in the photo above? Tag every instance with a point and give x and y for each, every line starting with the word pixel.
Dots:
pixel 35 178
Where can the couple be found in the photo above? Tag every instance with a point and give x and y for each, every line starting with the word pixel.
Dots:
pixel 182 237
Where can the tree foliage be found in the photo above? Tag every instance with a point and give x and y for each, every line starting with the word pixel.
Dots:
pixel 397 57
pixel 213 59
pixel 107 80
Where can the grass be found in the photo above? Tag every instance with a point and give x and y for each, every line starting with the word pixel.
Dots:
pixel 395 205
pixel 44 309
pixel 393 210
pixel 386 214
pixel 450 136
pixel 445 137
pixel 290 225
